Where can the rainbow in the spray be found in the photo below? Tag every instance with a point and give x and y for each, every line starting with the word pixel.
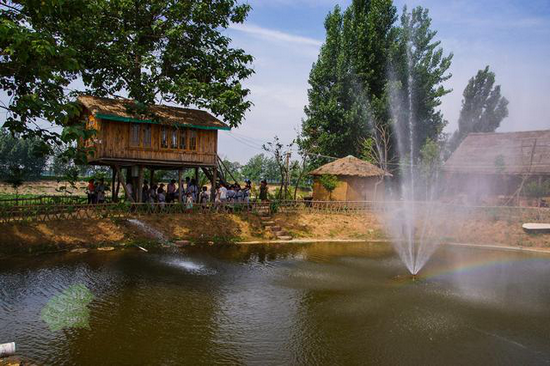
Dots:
pixel 479 263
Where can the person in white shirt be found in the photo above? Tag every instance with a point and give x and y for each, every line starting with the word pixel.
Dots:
pixel 223 193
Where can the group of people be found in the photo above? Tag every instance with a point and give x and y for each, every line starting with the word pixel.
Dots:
pixel 170 193
pixel 96 191
pixel 191 193
pixel 233 193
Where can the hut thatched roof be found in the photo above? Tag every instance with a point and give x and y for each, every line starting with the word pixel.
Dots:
pixel 514 153
pixel 118 110
pixel 350 166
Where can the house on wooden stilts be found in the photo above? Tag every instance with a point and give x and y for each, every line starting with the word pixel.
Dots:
pixel 158 137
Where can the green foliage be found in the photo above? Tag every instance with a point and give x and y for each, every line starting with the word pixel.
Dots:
pixel 419 67
pixel 368 150
pixel 483 107
pixel 347 92
pixel 261 167
pixel 37 65
pixel 235 168
pixel 430 164
pixel 20 159
pixel 152 50
pixel 329 182
pixel 352 85
pixel 537 190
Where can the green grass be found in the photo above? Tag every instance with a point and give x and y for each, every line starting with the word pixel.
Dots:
pixel 12 196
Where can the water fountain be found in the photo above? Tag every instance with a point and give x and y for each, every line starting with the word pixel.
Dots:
pixel 404 216
pixel 148 230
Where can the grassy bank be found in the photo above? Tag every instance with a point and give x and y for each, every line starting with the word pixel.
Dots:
pixel 214 228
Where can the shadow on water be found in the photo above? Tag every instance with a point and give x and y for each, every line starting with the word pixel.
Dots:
pixel 326 303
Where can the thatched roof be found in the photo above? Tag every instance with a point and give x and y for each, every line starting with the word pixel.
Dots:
pixel 514 153
pixel 350 166
pixel 117 110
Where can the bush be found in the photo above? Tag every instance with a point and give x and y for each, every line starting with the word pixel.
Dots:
pixel 536 190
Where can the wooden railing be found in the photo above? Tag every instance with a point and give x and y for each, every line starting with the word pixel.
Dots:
pixel 43 200
pixel 72 208
pixel 42 213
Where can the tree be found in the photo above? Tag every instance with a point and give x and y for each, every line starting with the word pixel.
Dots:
pixel 329 182
pixel 20 159
pixel 430 166
pixel 155 51
pixel 419 67
pixel 483 107
pixel 234 168
pixel 36 66
pixel 347 95
pixel 377 149
pixel 298 169
pixel 254 168
pixel 281 155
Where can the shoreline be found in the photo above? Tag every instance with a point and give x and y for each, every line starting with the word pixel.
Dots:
pixel 249 229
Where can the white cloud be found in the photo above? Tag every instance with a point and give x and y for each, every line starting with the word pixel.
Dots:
pixel 274 35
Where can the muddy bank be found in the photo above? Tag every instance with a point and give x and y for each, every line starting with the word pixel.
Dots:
pixel 215 228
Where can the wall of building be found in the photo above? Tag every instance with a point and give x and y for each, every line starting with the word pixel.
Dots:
pixel 351 189
pixel 114 141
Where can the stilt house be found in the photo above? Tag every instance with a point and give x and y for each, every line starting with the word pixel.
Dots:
pixel 358 180
pixel 157 137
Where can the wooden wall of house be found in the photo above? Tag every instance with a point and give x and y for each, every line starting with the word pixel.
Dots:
pixel 114 142
pixel 351 189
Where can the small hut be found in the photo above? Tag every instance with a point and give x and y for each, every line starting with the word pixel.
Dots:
pixel 358 180
pixel 156 137
pixel 488 165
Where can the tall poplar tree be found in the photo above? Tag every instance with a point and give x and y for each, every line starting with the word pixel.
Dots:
pixel 347 94
pixel 419 68
pixel 483 106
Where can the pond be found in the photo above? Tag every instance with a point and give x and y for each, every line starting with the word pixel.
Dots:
pixel 315 304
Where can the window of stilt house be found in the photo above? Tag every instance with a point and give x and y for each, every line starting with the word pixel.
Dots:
pixel 135 135
pixel 183 138
pixel 164 137
pixel 193 140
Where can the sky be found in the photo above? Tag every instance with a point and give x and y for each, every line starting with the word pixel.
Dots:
pixel 285 36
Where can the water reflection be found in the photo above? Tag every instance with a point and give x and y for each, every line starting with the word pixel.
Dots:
pixel 324 303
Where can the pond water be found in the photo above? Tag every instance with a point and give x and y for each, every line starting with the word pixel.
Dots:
pixel 317 304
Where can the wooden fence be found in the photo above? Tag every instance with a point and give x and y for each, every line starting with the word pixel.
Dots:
pixel 51 212
pixel 46 210
pixel 44 200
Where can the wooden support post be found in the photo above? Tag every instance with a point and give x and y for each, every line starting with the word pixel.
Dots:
pixel 113 178
pixel 214 181
pixel 139 188
pixel 197 183
pixel 180 185
pixel 121 181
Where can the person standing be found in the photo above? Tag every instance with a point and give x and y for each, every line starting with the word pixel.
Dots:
pixel 100 191
pixel 129 191
pixel 263 191
pixel 90 191
pixel 171 191
pixel 145 193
